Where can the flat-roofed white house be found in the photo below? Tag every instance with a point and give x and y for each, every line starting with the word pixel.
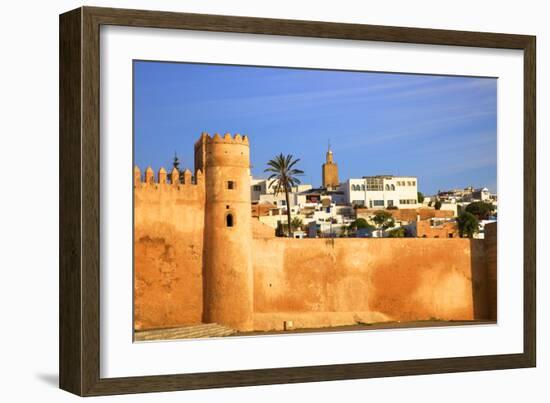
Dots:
pixel 263 191
pixel 382 191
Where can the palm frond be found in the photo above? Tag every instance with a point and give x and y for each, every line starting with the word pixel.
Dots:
pixel 283 174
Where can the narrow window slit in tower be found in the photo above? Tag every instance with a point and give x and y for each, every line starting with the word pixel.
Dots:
pixel 230 184
pixel 229 220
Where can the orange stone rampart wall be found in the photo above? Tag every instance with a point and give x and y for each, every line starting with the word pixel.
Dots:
pixel 256 281
pixel 311 282
pixel 168 249
pixel 318 282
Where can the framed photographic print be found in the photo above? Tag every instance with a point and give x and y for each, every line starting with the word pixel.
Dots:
pixel 250 201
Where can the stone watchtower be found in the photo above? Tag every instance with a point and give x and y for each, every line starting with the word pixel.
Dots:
pixel 228 276
pixel 330 172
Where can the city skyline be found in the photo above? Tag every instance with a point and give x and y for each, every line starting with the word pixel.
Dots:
pixel 440 129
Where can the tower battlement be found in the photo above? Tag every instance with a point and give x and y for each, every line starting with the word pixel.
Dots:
pixel 218 150
pixel 227 138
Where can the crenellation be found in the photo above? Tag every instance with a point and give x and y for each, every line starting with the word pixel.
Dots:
pixel 176 181
pixel 137 175
pixel 175 176
pixel 187 177
pixel 162 176
pixel 199 177
pixel 149 176
pixel 225 139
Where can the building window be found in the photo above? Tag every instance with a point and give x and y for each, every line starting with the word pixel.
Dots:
pixel 392 187
pixel 257 188
pixel 374 184
pixel 387 187
pixel 378 202
pixel 229 220
pixel 231 185
pixel 414 183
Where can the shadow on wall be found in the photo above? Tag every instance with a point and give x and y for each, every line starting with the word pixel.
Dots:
pixel 491 249
pixel 479 279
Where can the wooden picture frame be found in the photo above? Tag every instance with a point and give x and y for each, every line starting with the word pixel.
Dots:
pixel 79 346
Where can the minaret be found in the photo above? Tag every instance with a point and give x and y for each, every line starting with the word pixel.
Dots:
pixel 330 171
pixel 228 276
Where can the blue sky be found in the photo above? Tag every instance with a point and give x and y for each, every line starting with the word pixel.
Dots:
pixel 441 129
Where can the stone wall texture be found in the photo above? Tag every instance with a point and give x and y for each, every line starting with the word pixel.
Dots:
pixel 317 282
pixel 311 282
pixel 168 249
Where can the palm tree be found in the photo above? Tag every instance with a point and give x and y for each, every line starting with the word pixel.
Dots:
pixel 284 177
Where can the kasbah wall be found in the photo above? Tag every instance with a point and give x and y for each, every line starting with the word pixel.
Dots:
pixel 200 258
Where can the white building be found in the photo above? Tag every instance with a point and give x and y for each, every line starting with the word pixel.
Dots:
pixel 263 191
pixel 382 191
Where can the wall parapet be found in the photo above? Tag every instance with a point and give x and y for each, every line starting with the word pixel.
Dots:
pixel 176 178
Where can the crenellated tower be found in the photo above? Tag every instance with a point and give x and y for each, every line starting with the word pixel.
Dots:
pixel 228 274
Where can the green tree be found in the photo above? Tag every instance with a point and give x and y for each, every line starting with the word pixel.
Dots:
pixel 480 209
pixel 468 225
pixel 383 219
pixel 397 233
pixel 420 197
pixel 296 223
pixel 437 205
pixel 284 176
pixel 359 224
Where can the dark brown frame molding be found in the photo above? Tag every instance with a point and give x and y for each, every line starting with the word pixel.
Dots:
pixel 79 201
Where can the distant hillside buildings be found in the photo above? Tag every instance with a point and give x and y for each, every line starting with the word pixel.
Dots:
pixel 330 209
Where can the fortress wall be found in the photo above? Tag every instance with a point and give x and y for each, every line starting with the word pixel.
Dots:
pixel 168 242
pixel 318 282
pixel 491 247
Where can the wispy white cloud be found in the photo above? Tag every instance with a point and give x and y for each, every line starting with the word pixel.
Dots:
pixel 424 128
